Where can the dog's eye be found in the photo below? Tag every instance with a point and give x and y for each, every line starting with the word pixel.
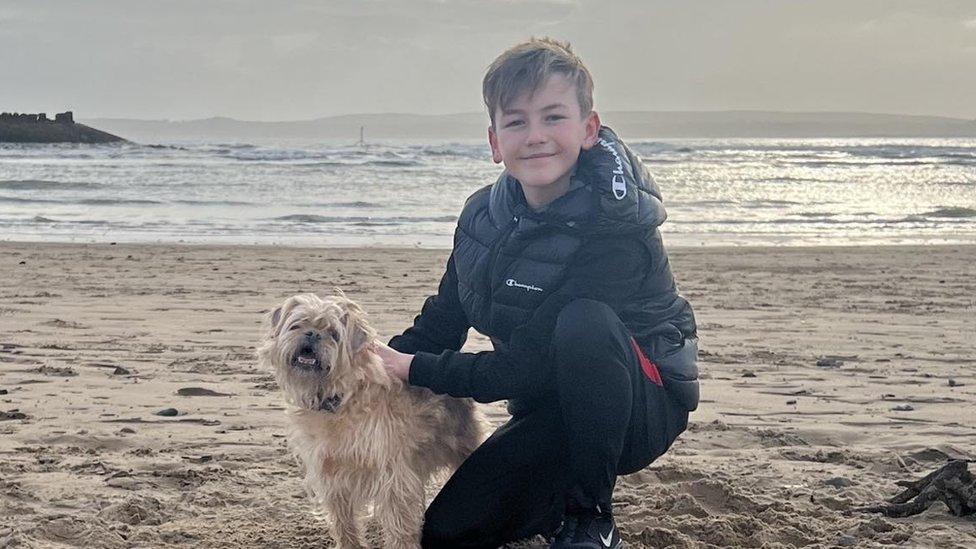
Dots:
pixel 294 327
pixel 334 334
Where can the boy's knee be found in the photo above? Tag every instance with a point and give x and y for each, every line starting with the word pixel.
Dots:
pixel 583 326
pixel 445 530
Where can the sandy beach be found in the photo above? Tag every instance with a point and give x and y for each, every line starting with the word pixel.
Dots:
pixel 828 374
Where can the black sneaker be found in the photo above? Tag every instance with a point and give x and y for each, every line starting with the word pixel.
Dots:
pixel 589 530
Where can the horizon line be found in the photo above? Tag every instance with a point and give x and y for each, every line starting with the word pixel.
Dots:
pixel 473 113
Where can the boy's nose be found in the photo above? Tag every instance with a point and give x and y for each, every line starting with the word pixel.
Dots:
pixel 537 134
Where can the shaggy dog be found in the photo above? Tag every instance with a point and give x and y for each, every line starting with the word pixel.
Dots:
pixel 363 435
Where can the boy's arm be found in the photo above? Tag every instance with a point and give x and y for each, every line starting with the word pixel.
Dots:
pixel 607 270
pixel 441 323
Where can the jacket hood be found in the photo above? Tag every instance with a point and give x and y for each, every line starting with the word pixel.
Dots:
pixel 616 194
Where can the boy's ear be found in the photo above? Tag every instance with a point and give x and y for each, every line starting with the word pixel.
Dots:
pixel 592 130
pixel 496 153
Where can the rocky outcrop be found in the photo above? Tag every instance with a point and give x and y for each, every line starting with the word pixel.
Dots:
pixel 37 128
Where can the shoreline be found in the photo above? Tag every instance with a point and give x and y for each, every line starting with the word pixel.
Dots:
pixel 680 248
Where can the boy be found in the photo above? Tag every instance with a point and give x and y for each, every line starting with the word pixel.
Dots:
pixel 560 262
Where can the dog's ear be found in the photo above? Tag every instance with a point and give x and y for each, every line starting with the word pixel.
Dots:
pixel 358 332
pixel 275 318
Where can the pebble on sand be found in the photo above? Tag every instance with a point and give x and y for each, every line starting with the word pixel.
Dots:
pixel 168 412
pixel 838 482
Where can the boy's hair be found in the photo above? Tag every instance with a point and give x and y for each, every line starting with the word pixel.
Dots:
pixel 525 67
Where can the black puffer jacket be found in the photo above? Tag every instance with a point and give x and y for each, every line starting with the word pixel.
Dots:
pixel 513 269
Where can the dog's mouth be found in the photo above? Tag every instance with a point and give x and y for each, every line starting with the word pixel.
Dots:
pixel 306 359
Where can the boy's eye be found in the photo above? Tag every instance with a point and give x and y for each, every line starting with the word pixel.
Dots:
pixel 555 117
pixel 512 123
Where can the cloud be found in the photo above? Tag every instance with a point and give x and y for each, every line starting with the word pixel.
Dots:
pixel 291 43
pixel 971 24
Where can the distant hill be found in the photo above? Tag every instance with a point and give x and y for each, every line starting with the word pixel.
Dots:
pixel 377 126
pixel 637 124
pixel 786 124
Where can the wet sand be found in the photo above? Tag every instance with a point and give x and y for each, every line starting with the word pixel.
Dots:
pixel 828 374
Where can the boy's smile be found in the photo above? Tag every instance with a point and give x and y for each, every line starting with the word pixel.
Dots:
pixel 539 137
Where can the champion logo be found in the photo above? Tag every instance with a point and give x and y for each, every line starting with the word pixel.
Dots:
pixel 618 184
pixel 619 187
pixel 512 283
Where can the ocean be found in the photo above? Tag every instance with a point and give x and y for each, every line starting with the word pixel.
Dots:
pixel 792 192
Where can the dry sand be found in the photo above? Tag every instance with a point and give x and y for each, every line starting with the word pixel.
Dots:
pixel 94 339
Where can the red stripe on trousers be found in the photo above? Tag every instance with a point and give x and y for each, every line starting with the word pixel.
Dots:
pixel 649 368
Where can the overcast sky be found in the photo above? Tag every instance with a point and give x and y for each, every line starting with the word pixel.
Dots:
pixel 300 59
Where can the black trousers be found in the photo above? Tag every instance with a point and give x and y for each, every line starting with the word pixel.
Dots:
pixel 605 418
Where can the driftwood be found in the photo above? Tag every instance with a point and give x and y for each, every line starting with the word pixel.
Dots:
pixel 952 484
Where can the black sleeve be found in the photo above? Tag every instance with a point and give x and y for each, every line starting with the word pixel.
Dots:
pixel 604 270
pixel 441 323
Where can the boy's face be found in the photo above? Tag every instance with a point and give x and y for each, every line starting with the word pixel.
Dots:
pixel 540 135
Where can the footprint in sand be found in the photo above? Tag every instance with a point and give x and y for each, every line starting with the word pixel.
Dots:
pixel 58 323
pixel 54 371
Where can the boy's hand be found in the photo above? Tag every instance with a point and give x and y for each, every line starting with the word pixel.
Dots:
pixel 397 364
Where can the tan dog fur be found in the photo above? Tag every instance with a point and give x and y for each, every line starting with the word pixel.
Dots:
pixel 383 440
